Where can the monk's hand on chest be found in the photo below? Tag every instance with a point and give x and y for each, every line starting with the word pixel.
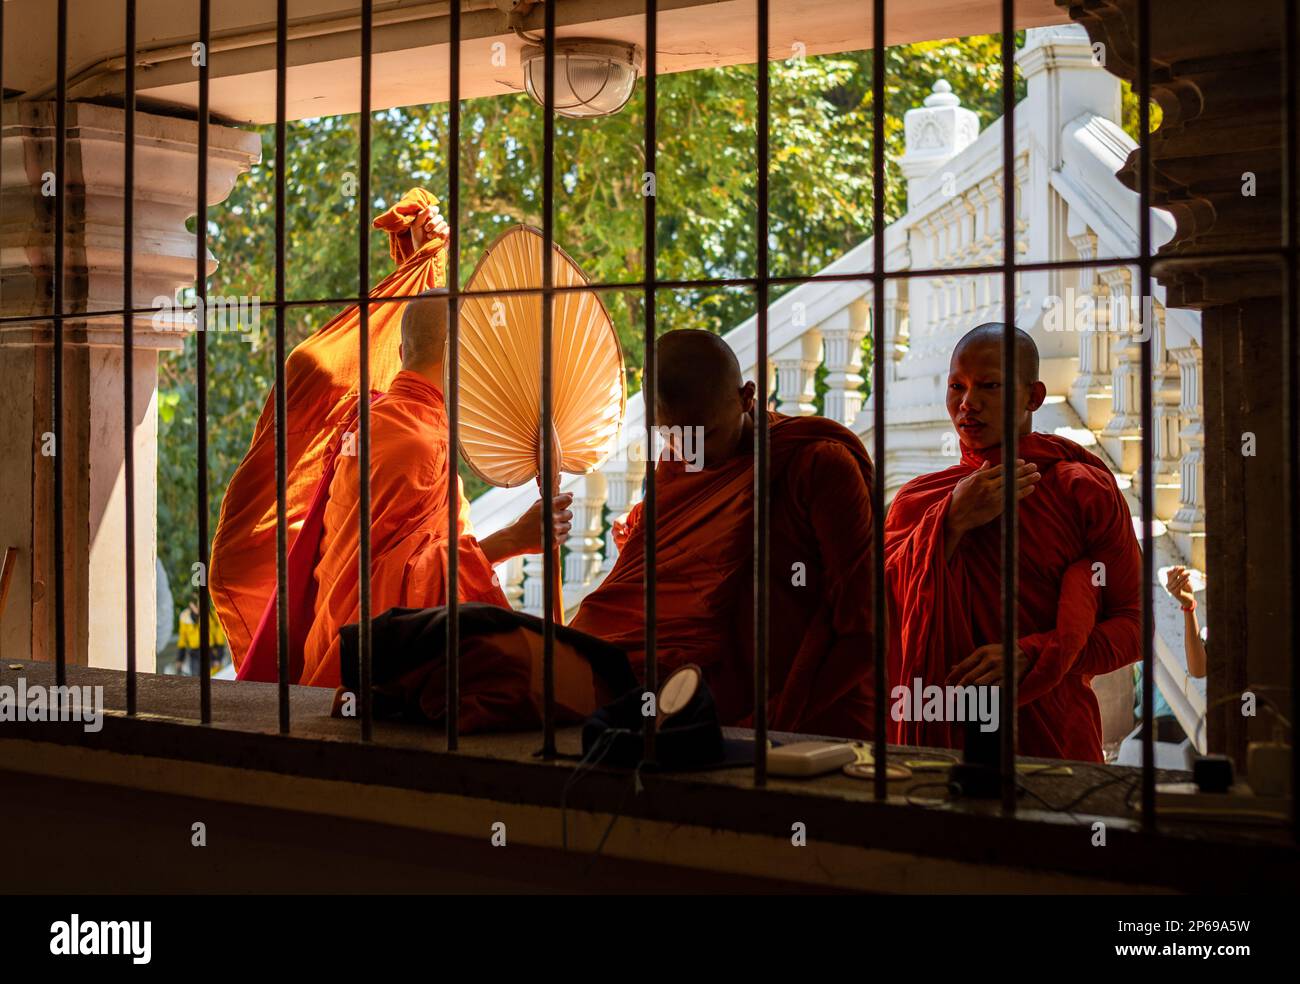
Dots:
pixel 985 666
pixel 977 498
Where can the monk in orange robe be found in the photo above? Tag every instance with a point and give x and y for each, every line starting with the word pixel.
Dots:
pixel 408 519
pixel 820 640
pixel 320 392
pixel 409 487
pixel 1080 567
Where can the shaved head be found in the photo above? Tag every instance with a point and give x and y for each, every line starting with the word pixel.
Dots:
pixel 424 330
pixel 976 394
pixel 695 369
pixel 698 386
pixel 993 333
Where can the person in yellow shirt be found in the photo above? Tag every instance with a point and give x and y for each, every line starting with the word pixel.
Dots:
pixel 188 642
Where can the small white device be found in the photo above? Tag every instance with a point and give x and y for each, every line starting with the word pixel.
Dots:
pixel 810 758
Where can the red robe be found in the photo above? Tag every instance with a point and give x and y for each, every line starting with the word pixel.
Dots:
pixel 1071 626
pixel 820 627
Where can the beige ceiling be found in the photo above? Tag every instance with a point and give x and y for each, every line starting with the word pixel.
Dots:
pixel 410 61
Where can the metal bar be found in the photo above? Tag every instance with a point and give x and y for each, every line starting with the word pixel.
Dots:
pixel 649 380
pixel 363 387
pixel 1010 436
pixel 453 385
pixel 128 343
pixel 1291 374
pixel 549 586
pixel 1157 263
pixel 201 362
pixel 56 425
pixel 762 503
pixel 1148 482
pixel 880 642
pixel 126 302
pixel 281 398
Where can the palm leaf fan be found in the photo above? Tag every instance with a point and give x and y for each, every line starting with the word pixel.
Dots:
pixel 501 370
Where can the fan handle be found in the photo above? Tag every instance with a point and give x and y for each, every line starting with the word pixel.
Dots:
pixel 547 517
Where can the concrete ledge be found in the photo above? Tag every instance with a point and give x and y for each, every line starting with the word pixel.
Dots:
pixel 708 822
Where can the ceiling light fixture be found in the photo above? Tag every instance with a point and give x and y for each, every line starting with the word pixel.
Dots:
pixel 592 77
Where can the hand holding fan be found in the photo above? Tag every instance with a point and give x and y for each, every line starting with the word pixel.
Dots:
pixel 501 371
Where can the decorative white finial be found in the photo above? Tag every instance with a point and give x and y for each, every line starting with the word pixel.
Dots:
pixel 941 95
pixel 936 132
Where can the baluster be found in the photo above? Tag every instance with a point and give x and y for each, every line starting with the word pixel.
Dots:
pixel 582 559
pixel 1091 394
pixel 511 576
pixel 1167 421
pixel 796 372
pixel 623 479
pixel 1188 524
pixel 532 577
pixel 1122 433
pixel 842 336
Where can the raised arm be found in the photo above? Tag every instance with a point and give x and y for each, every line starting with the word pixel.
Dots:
pixel 1178 582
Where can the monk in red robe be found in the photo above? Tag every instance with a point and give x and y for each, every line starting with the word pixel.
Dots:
pixel 1080 569
pixel 820 654
pixel 408 494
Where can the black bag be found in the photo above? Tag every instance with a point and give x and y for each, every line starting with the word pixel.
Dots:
pixel 689 738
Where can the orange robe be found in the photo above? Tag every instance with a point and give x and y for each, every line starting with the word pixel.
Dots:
pixel 321 388
pixel 408 526
pixel 820 639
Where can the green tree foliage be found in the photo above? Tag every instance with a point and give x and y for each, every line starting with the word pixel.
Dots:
pixel 1129 111
pixel 819 207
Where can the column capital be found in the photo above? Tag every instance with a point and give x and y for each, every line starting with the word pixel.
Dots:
pixel 164 196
